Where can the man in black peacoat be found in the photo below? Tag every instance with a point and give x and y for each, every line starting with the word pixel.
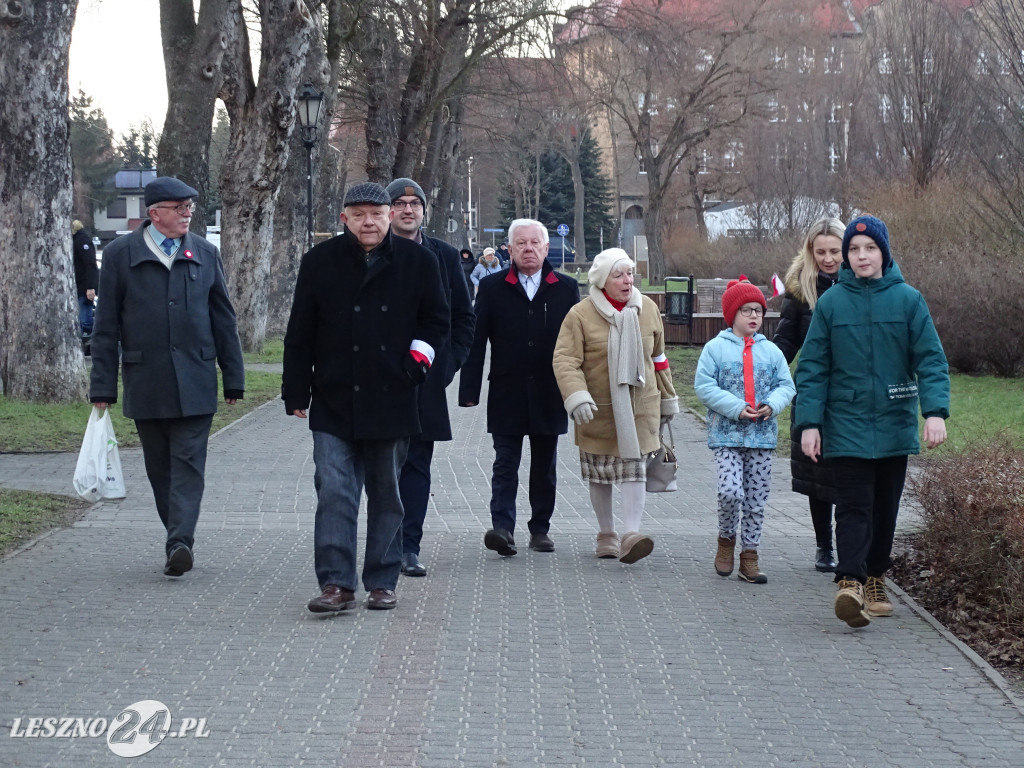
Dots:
pixel 520 311
pixel 368 316
pixel 408 203
pixel 165 307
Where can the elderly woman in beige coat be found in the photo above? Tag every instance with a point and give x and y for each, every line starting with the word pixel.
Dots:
pixel 613 375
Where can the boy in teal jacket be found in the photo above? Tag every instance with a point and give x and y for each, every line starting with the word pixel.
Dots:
pixel 870 359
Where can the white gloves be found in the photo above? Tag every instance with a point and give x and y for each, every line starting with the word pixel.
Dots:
pixel 583 413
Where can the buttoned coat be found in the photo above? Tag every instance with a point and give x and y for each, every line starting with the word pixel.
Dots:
pixel 433 402
pixel 581 367
pixel 173 326
pixel 524 397
pixel 349 335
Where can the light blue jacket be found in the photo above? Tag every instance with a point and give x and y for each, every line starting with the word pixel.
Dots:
pixel 719 385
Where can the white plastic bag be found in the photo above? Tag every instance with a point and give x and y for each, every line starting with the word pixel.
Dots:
pixel 98 473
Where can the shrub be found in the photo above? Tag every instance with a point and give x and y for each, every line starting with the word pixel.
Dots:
pixel 971 549
pixel 968 268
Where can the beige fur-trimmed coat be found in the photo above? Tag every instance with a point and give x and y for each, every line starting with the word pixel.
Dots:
pixel 581 369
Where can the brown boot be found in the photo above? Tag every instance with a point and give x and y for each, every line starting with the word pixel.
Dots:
pixel 634 546
pixel 876 601
pixel 849 603
pixel 608 545
pixel 725 559
pixel 749 570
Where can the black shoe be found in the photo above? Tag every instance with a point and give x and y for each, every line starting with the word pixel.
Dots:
pixel 500 541
pixel 179 561
pixel 825 561
pixel 411 565
pixel 541 542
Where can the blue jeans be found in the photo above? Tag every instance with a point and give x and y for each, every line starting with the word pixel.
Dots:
pixel 342 467
pixel 86 311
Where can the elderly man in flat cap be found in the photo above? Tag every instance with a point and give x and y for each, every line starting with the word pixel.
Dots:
pixel 166 309
pixel 368 316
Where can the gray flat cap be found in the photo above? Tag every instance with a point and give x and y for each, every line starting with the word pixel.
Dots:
pixel 167 188
pixel 401 187
pixel 367 193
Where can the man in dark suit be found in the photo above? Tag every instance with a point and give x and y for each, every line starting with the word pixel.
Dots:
pixel 408 203
pixel 368 316
pixel 520 311
pixel 86 279
pixel 165 302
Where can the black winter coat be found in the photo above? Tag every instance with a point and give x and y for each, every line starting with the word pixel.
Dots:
pixel 524 397
pixel 809 478
pixel 86 273
pixel 433 403
pixel 173 327
pixel 349 334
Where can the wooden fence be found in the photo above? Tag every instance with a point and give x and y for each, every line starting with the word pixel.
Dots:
pixel 705 323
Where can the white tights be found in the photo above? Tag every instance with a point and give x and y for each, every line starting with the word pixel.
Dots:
pixel 634 497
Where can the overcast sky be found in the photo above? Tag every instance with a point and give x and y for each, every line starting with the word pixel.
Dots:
pixel 117 60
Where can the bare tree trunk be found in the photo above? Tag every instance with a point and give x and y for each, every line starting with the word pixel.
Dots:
pixel 653 223
pixel 40 352
pixel 262 120
pixel 193 60
pixel 579 227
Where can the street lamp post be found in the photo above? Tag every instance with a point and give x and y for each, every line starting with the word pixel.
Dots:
pixel 308 103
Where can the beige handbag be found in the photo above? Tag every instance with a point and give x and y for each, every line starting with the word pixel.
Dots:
pixel 661 468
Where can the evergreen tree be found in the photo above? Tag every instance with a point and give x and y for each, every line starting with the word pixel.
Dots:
pixel 557 198
pixel 92 156
pixel 138 147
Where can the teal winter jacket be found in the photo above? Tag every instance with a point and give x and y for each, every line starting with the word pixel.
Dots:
pixel 870 359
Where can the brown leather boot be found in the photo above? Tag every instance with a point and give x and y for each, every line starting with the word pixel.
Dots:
pixel 726 556
pixel 749 570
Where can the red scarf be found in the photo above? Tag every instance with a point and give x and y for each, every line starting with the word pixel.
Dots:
pixel 619 305
pixel 748 372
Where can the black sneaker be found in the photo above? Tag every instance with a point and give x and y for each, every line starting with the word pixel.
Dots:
pixel 179 561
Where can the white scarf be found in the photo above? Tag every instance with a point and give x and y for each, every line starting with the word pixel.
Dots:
pixel 625 364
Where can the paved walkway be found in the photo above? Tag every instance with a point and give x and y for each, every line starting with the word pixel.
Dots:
pixel 540 659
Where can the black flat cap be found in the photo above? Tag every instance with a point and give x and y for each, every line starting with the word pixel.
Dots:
pixel 366 193
pixel 167 188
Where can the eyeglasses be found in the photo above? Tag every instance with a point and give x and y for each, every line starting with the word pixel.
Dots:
pixel 751 311
pixel 413 205
pixel 180 209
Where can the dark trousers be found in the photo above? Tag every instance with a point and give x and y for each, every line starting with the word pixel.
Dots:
pixel 175 454
pixel 414 488
pixel 821 518
pixel 868 495
pixel 508 453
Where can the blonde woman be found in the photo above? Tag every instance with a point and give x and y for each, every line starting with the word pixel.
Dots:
pixel 814 270
pixel 612 372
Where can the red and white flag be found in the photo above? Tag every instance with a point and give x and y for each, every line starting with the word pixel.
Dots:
pixel 778 287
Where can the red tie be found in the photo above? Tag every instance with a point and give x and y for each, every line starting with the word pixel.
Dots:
pixel 748 372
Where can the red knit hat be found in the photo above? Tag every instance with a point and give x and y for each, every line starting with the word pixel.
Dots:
pixel 738 293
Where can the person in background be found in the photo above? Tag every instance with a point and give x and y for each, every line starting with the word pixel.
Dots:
pixel 408 204
pixel 870 360
pixel 614 377
pixel 814 270
pixel 744 381
pixel 468 263
pixel 488 265
pixel 167 319
pixel 519 311
pixel 504 257
pixel 86 279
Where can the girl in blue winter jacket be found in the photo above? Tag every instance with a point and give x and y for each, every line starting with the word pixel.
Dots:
pixel 744 381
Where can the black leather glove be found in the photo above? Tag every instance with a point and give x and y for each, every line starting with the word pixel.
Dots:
pixel 415 370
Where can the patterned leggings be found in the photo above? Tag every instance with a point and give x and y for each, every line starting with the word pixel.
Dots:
pixel 744 478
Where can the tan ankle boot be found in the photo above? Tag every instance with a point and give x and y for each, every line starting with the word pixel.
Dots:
pixel 608 545
pixel 726 556
pixel 635 546
pixel 749 570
